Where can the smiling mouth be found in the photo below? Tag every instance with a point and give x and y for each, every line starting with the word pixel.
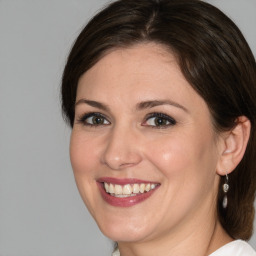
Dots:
pixel 125 192
pixel 128 190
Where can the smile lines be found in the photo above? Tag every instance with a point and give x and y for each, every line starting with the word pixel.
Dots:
pixel 128 190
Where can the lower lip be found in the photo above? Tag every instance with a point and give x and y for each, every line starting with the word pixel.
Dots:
pixel 125 201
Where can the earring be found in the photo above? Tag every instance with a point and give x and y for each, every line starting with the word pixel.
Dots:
pixel 225 190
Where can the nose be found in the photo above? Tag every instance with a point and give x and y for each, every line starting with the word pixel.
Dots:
pixel 122 149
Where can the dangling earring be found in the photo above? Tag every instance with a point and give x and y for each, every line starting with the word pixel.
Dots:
pixel 225 190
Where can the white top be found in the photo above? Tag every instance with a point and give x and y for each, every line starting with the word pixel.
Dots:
pixel 235 248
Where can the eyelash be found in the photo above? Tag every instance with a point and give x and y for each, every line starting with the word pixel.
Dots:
pixel 164 117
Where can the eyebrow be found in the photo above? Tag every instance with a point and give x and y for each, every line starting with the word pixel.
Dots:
pixel 93 103
pixel 155 103
pixel 139 106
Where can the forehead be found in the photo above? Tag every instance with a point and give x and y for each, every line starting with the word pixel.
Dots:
pixel 146 64
pixel 136 73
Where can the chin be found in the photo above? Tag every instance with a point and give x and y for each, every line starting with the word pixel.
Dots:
pixel 124 235
pixel 124 231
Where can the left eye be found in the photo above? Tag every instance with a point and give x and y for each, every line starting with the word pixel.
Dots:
pixel 159 120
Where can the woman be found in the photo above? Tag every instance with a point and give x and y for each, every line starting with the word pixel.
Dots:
pixel 161 98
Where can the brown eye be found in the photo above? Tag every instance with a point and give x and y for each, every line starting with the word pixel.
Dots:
pixel 97 120
pixel 160 121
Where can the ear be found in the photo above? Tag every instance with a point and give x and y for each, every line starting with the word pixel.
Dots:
pixel 233 146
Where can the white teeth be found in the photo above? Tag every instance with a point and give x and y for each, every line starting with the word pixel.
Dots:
pixel 136 188
pixel 152 186
pixel 147 188
pixel 111 188
pixel 106 187
pixel 118 190
pixel 128 189
pixel 142 188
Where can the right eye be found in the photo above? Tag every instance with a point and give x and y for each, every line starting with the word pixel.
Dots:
pixel 93 119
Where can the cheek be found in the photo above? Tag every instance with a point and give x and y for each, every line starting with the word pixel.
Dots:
pixel 83 160
pixel 188 156
pixel 170 155
pixel 81 154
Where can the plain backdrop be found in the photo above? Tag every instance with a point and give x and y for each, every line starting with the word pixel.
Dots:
pixel 41 213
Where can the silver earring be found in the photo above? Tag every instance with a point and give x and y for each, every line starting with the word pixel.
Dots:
pixel 225 190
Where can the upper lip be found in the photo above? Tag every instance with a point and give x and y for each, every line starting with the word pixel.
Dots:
pixel 124 181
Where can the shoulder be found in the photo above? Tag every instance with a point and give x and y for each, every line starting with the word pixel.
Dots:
pixel 235 248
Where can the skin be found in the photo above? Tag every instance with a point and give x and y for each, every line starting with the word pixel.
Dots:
pixel 186 158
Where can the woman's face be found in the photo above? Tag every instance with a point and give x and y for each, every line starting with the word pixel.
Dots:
pixel 143 134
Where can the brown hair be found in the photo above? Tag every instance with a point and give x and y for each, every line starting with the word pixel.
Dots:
pixel 214 58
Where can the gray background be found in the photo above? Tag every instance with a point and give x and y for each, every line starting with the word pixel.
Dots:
pixel 41 213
